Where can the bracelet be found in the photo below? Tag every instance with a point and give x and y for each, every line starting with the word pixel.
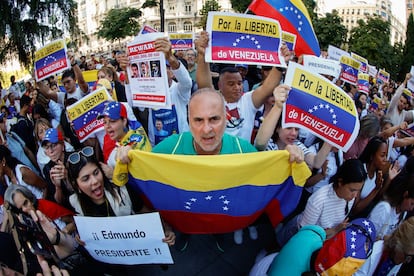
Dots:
pixel 73 64
pixel 57 241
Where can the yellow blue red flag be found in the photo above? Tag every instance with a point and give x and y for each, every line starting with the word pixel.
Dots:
pixel 363 83
pixel 350 69
pixel 244 38
pixel 383 76
pixel 218 193
pixel 320 106
pixel 51 60
pixel 294 18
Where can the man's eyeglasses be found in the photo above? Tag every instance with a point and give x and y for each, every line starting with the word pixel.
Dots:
pixel 50 146
pixel 75 157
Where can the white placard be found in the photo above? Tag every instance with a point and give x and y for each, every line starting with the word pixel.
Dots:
pixel 410 83
pixel 135 239
pixel 147 72
pixel 322 66
pixel 335 53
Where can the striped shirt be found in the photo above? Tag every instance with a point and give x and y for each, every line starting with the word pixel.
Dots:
pixel 325 208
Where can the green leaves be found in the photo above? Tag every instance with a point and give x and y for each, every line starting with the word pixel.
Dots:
pixel 120 23
pixel 25 23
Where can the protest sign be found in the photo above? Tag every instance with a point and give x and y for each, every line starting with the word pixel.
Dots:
pixel 147 73
pixel 410 83
pixel 147 29
pixel 372 71
pixel 363 83
pixel 321 107
pixel 350 68
pixel 364 62
pixel 322 66
pixel 181 41
pixel 135 239
pixel 383 76
pixel 243 38
pixel 336 53
pixel 83 113
pixel 51 60
pixel 289 39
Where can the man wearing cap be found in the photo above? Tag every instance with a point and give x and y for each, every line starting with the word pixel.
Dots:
pixel 241 107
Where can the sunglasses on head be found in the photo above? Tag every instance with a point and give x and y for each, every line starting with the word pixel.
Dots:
pixel 75 157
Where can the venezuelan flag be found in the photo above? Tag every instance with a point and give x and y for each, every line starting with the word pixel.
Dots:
pixel 294 18
pixel 218 193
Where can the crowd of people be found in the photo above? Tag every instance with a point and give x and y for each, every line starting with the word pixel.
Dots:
pixel 48 175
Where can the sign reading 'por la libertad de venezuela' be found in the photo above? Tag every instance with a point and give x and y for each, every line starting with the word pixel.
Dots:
pixel 135 239
pixel 242 38
pixel 83 113
pixel 321 107
pixel 51 60
pixel 350 69
pixel 181 41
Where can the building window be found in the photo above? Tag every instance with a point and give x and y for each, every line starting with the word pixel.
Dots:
pixel 187 7
pixel 171 8
pixel 172 27
pixel 188 26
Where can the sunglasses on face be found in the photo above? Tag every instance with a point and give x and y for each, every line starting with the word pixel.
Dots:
pixel 75 157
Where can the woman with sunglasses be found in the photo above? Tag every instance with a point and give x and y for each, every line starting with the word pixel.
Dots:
pixel 389 254
pixel 96 196
pixel 55 172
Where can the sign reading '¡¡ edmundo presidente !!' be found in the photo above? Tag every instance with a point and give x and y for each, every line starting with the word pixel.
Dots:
pixel 247 39
pixel 321 107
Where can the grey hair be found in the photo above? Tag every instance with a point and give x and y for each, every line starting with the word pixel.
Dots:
pixel 13 189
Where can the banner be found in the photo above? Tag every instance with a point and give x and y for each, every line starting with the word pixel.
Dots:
pixel 129 240
pixel 294 18
pixel 181 41
pixel 322 66
pixel 363 61
pixel 383 76
pixel 83 113
pixel 350 69
pixel 218 193
pixel 321 107
pixel 335 53
pixel 363 83
pixel 290 40
pixel 243 38
pixel 146 30
pixel 372 71
pixel 51 60
pixel 147 72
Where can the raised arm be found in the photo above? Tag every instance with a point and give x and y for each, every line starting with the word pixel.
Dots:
pixel 268 126
pixel 264 91
pixel 78 74
pixel 203 74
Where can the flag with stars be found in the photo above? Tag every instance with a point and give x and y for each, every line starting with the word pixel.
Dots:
pixel 294 18
pixel 363 83
pixel 321 107
pixel 51 60
pixel 350 69
pixel 244 39
pixel 218 193
pixel 83 113
pixel 346 252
